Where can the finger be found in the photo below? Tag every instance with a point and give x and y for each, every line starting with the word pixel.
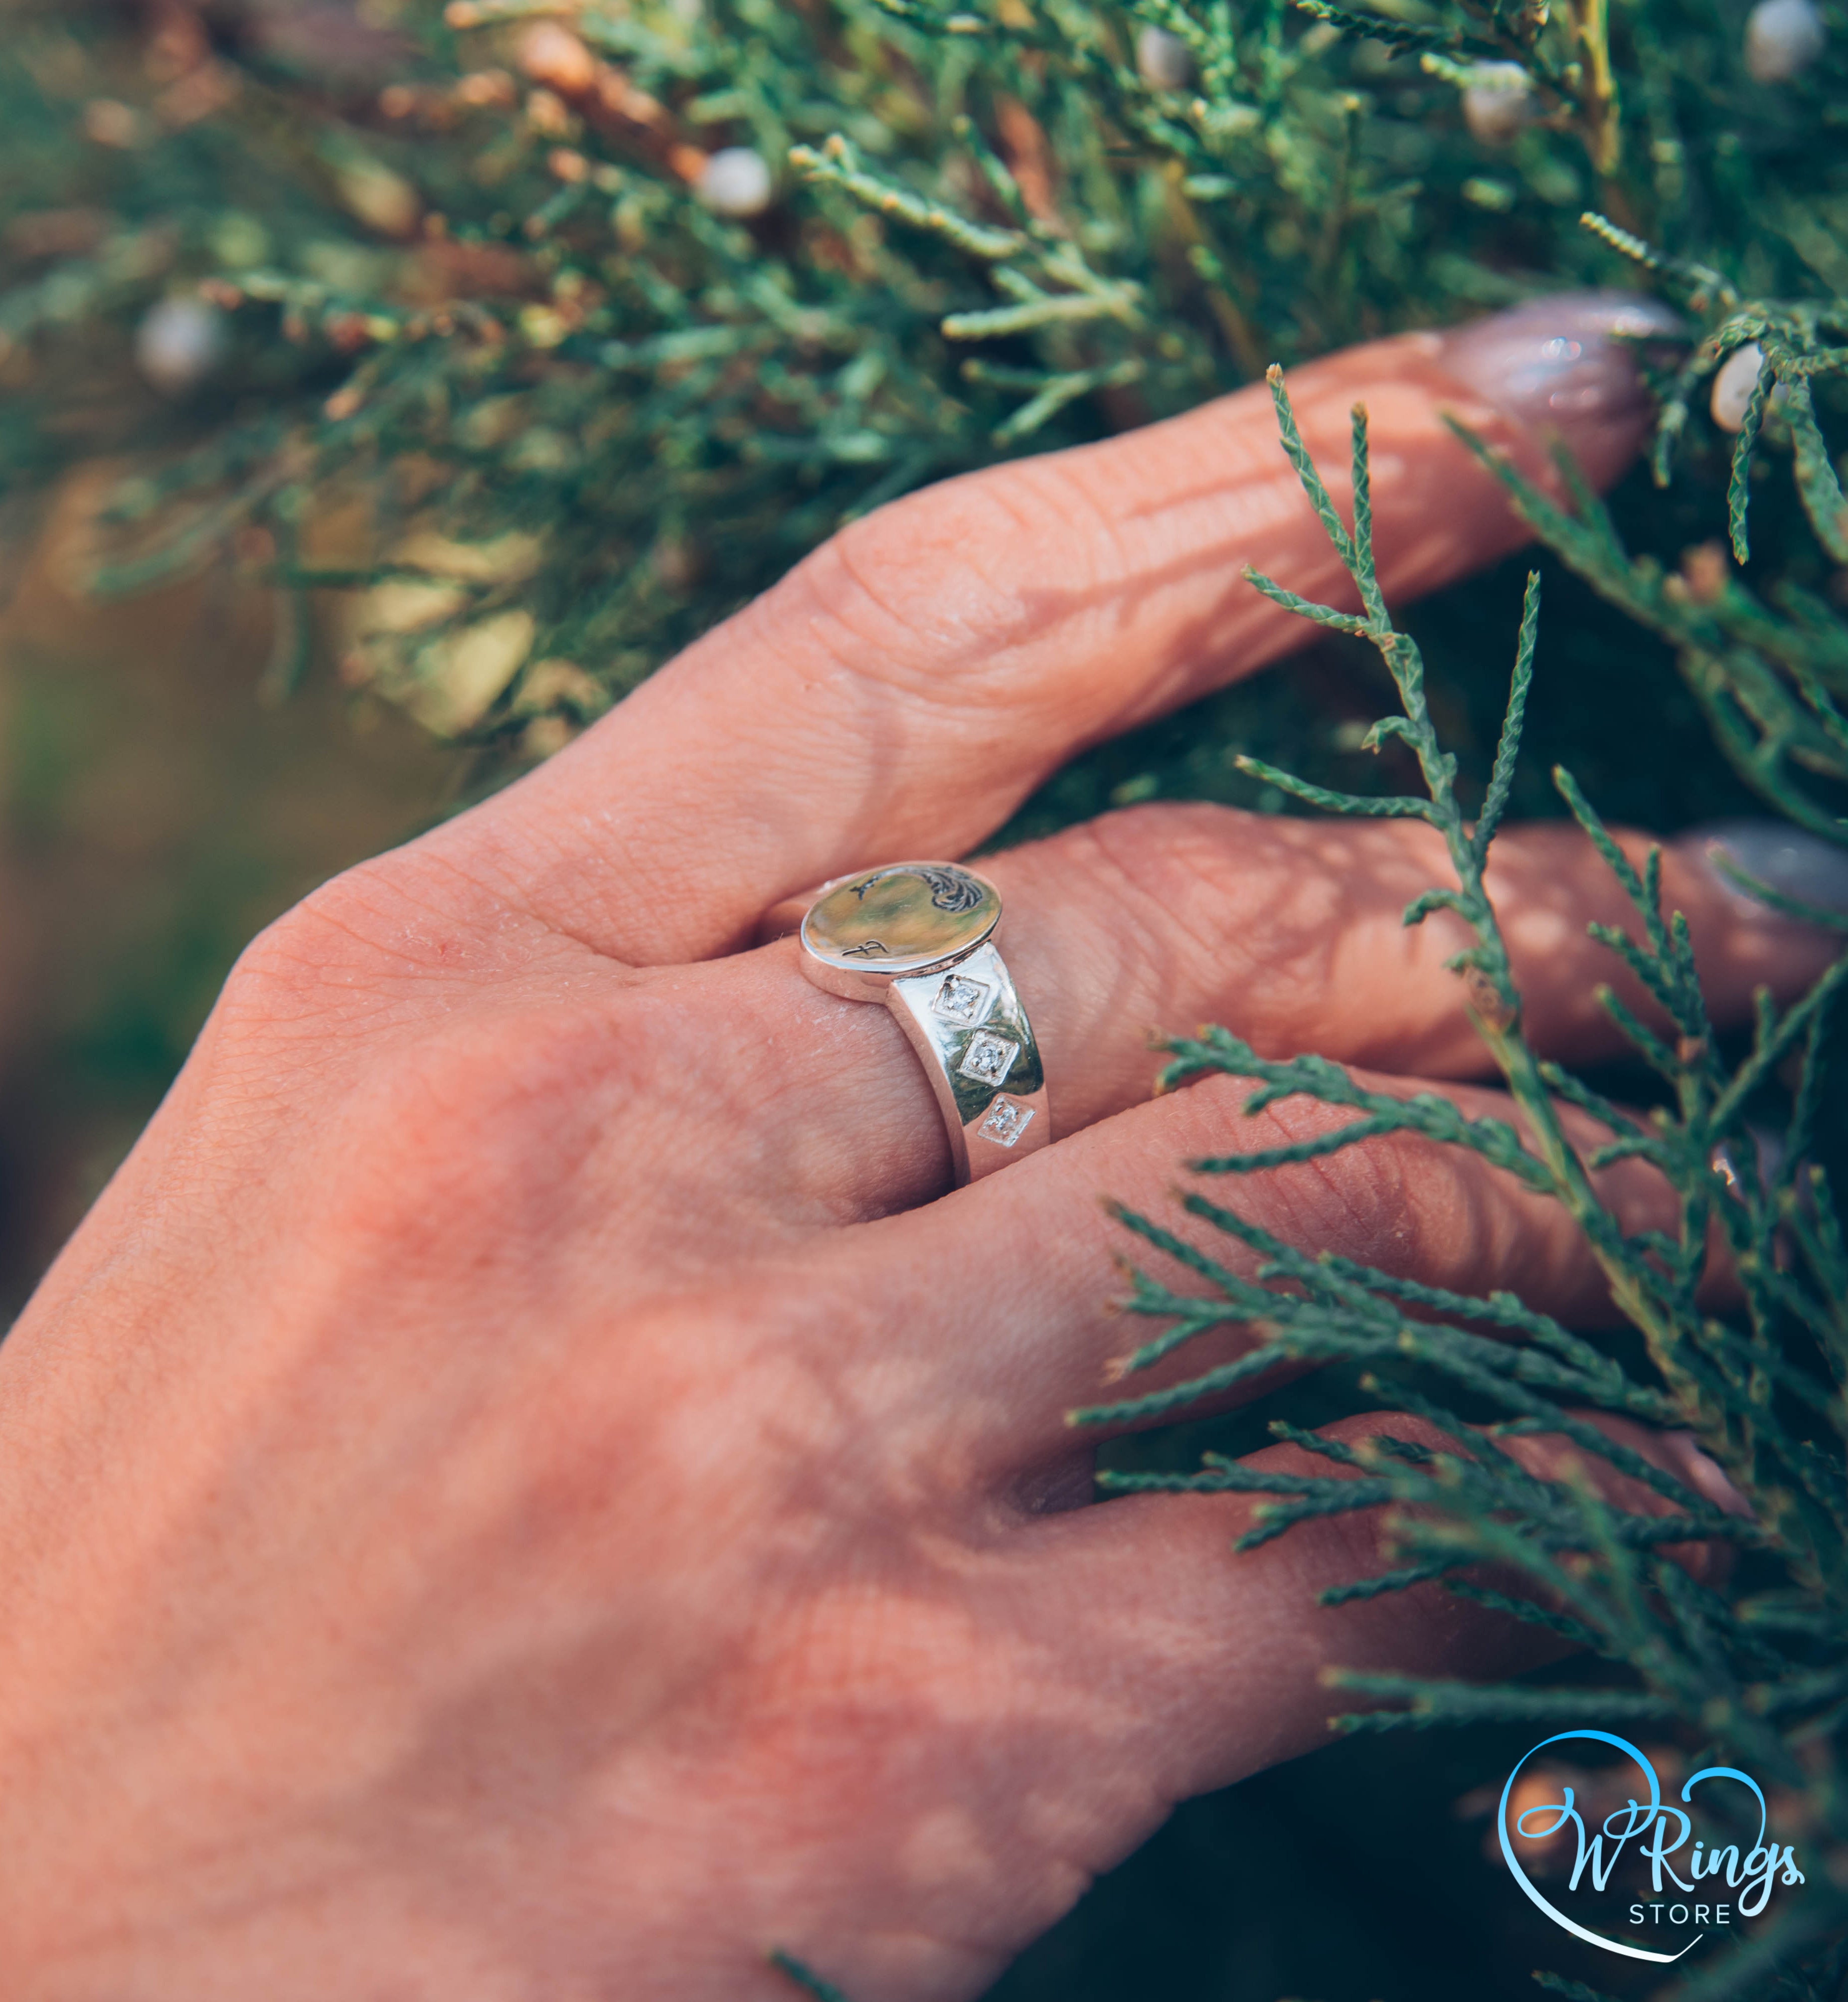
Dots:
pixel 1293 933
pixel 1033 1249
pixel 907 685
pixel 1220 1658
pixel 1129 1657
pixel 1158 918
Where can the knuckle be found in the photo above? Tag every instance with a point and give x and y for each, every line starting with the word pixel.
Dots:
pixel 1227 903
pixel 368 932
pixel 1398 1202
pixel 1355 1203
pixel 1174 868
pixel 930 594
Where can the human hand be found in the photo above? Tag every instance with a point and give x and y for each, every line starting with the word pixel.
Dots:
pixel 525 1484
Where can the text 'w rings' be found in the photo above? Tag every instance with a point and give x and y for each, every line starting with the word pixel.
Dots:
pixel 920 937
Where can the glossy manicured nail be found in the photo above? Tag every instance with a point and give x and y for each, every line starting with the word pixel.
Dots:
pixel 1566 365
pixel 1800 866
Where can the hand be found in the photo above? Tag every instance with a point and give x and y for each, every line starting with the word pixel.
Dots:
pixel 526 1485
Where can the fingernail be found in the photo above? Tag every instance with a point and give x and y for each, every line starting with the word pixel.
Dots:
pixel 1800 866
pixel 1695 1470
pixel 1566 365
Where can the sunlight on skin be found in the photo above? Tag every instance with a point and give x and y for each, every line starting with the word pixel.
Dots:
pixel 525 1483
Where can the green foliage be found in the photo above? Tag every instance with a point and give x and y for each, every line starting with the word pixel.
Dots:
pixel 1771 677
pixel 1756 1669
pixel 805 1978
pixel 487 285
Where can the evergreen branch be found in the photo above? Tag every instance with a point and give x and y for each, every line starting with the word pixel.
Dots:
pixel 1575 1091
pixel 1508 749
pixel 1434 1702
pixel 1771 1049
pixel 1310 480
pixel 1820 489
pixel 1304 608
pixel 1361 566
pixel 1396 33
pixel 1158 1404
pixel 836 164
pixel 1528 1613
pixel 1601 1574
pixel 1696 281
pixel 1367 805
pixel 810 1982
pixel 1222 1476
pixel 1059 391
pixel 1402 1580
pixel 1338 1450
pixel 1047 309
pixel 1738 488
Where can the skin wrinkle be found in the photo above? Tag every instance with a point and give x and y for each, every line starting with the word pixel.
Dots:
pixel 1372 1204
pixel 1131 848
pixel 838 582
pixel 375 909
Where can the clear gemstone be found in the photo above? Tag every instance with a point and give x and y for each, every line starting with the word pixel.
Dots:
pixel 1006 1123
pixel 989 1057
pixel 963 999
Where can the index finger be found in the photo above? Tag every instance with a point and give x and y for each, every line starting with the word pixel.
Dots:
pixel 906 686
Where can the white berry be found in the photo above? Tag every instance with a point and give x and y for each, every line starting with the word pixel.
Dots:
pixel 1782 37
pixel 179 343
pixel 1163 61
pixel 1733 385
pixel 1498 103
pixel 736 181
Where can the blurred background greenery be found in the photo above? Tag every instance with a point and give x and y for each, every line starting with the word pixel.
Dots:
pixel 384 387
pixel 155 818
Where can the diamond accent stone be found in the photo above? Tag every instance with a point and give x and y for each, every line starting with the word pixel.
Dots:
pixel 962 999
pixel 989 1057
pixel 1006 1123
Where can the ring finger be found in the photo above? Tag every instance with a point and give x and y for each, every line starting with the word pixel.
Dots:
pixel 1155 918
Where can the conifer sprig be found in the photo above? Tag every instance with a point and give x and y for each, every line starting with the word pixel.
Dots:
pixel 1758 1673
pixel 1772 687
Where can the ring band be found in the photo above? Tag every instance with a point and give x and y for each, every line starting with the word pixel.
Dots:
pixel 920 937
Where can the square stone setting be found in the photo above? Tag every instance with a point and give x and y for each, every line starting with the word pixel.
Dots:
pixel 989 1057
pixel 1006 1123
pixel 961 999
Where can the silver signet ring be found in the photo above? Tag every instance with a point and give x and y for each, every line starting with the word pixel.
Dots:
pixel 920 937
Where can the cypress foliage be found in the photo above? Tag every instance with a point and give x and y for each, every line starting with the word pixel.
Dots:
pixel 1753 1672
pixel 610 311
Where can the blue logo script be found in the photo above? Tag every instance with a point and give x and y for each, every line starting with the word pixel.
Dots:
pixel 1721 1877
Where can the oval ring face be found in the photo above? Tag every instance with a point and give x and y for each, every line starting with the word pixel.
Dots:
pixel 900 919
